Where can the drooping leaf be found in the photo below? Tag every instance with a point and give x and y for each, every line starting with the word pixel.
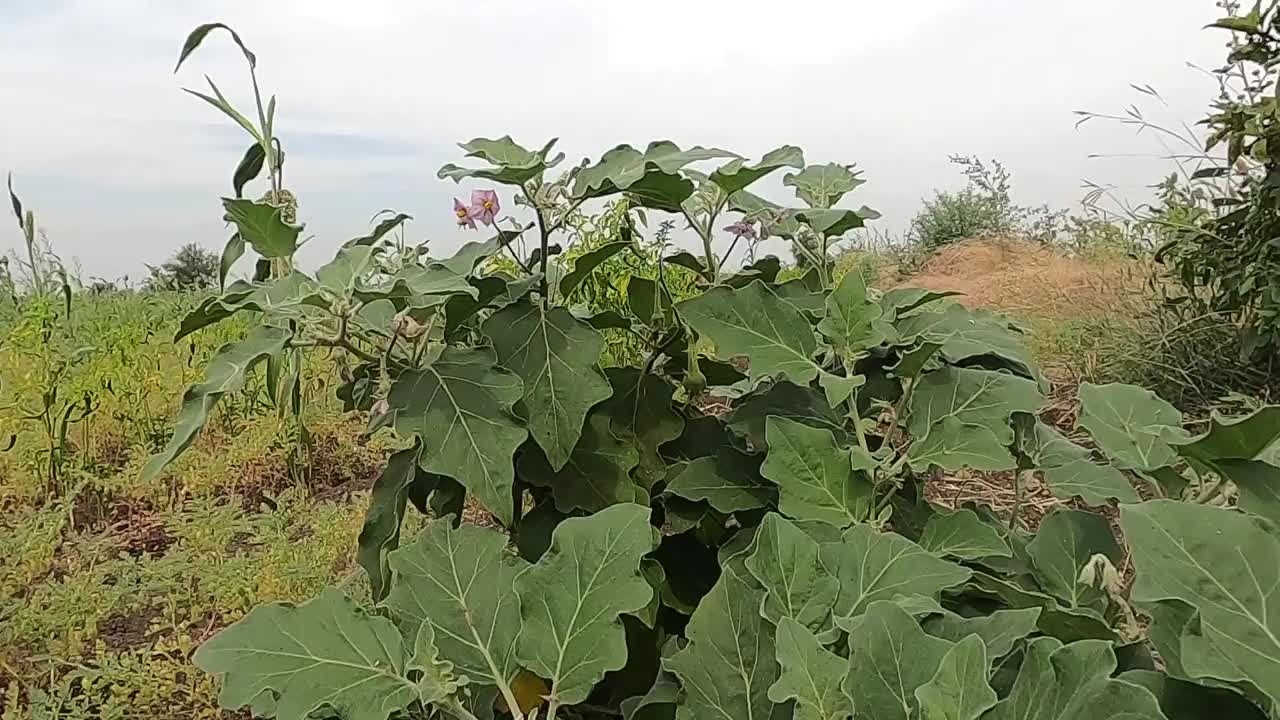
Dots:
pixel 837 222
pixel 728 666
pixel 816 478
pixel 460 406
pixel 641 412
pixel 557 356
pixel 1126 422
pixel 1000 631
pixel 379 231
pixel 225 372
pixel 570 602
pixel 889 658
pixel 963 535
pixel 822 186
pixel 738 175
pixel 461 582
pixel 688 261
pixel 651 178
pixel 1073 682
pixel 587 263
pixel 872 566
pixel 839 389
pixel 262 225
pixel 754 322
pixel 15 203
pixel 966 334
pixel 1057 620
pixel 597 473
pixel 289 297
pixel 961 416
pixel 341 275
pixel 387 501
pixel 1258 483
pixel 852 323
pixel 231 252
pixel 810 674
pixel 511 163
pixel 1221 563
pixel 1065 542
pixel 899 302
pixel 1181 700
pixel 785 561
pixel 198 35
pixel 728 479
pixel 959 690
pixel 1243 438
pixel 249 168
pixel 802 404
pixel 327 652
pixel 1068 470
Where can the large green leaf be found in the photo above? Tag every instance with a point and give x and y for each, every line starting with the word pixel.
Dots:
pixel 803 404
pixel 833 223
pixel 379 231
pixel 729 664
pixel 288 297
pixel 586 263
pixel 822 186
pixel 642 413
pixel 816 478
pixel 1000 631
pixel 889 658
pixel 963 535
pixel 1243 438
pixel 325 653
pixel 785 561
pixel 1073 682
pixel 461 582
pixel 1224 564
pixel 1067 469
pixel 961 417
pixel 755 323
pixel 511 163
pixel 900 302
pixel 738 175
pixel 1258 483
pixel 387 502
pixel 1181 700
pixel 852 323
pixel 597 474
pixel 967 334
pixel 557 356
pixel 461 407
pixel 1128 423
pixel 262 226
pixel 729 480
pixel 570 602
pixel 1064 623
pixel 872 566
pixel 1065 542
pixel 959 690
pixel 811 675
pixel 340 275
pixel 652 178
pixel 225 372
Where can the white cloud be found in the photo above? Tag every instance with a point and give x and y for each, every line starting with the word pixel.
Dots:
pixel 124 167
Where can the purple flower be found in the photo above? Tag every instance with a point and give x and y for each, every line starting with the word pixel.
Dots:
pixel 484 205
pixel 464 213
pixel 742 229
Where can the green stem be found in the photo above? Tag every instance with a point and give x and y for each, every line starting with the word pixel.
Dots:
pixel 1018 489
pixel 898 410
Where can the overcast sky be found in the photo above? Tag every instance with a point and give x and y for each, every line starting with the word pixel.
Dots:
pixel 122 167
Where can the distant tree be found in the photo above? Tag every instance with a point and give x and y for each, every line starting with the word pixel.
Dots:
pixel 191 268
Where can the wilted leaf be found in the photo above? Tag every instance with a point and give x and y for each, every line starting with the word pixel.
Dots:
pixel 557 356
pixel 262 226
pixel 959 690
pixel 1061 548
pixel 785 561
pixel 816 477
pixel 327 652
pixel 461 582
pixel 811 675
pixel 1127 423
pixel 889 658
pixel 570 602
pixel 1221 563
pixel 460 406
pixel 874 566
pixel 729 664
pixel 754 322
pixel 1000 631
pixel 962 534
pixel 225 372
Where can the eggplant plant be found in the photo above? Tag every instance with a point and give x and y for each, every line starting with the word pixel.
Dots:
pixel 785 557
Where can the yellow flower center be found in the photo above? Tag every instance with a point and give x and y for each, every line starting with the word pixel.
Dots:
pixel 488 204
pixel 461 212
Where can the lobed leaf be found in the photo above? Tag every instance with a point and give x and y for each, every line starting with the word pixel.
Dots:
pixel 1073 682
pixel 810 674
pixel 785 561
pixel 597 474
pixel 852 323
pixel 755 323
pixel 1128 424
pixel 960 689
pixel 816 478
pixel 1065 542
pixel 889 658
pixel 1000 631
pixel 262 225
pixel 963 535
pixel 873 566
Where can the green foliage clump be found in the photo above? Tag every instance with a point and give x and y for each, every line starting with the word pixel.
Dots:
pixel 191 268
pixel 983 208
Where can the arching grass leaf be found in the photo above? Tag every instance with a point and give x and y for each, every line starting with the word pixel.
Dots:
pixel 460 406
pixel 811 675
pixel 570 602
pixel 962 534
pixel 557 356
pixel 728 666
pixel 1061 548
pixel 959 690
pixel 326 652
pixel 889 658
pixel 1127 423
pixel 1000 631
pixel 249 168
pixel 874 566
pixel 1221 563
pixel 225 372
pixel 754 322
pixel 785 561
pixel 816 478
pixel 461 582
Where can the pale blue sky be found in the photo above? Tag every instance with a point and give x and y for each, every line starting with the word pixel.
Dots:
pixel 123 167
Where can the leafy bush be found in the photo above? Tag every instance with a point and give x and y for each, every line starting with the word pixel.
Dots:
pixel 191 268
pixel 984 208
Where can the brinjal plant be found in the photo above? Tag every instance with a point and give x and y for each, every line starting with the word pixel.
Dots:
pixel 783 555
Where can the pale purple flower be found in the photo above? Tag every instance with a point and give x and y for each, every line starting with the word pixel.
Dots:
pixel 484 206
pixel 465 217
pixel 742 229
